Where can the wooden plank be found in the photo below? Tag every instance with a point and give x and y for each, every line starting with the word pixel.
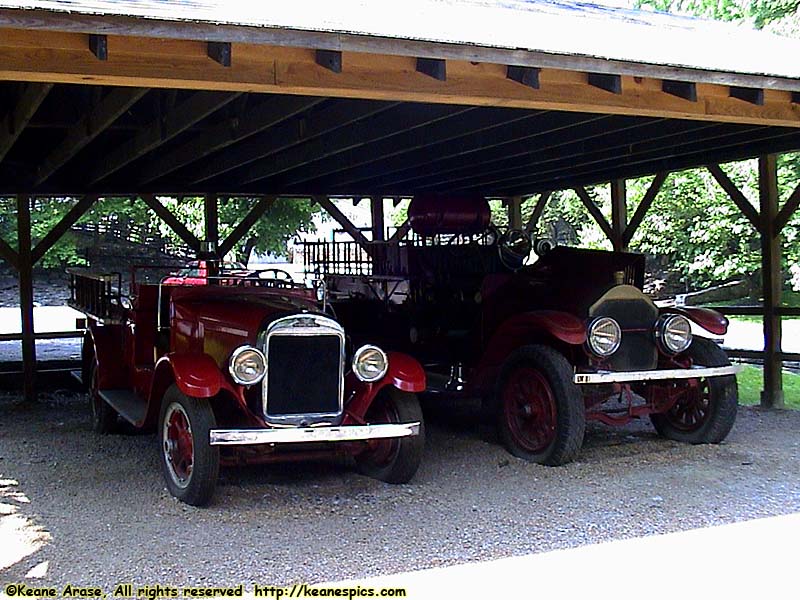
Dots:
pixel 405 118
pixel 172 222
pixel 26 297
pixel 67 221
pixel 376 218
pixel 95 122
pixel 525 75
pixel 330 59
pixel 14 123
pixel 772 284
pixel 273 69
pixel 287 134
pixel 197 29
pixel 619 214
pixel 433 67
pixel 161 130
pixel 739 199
pixel 219 52
pixel 644 206
pixel 682 89
pixel 98 44
pixel 401 232
pixel 268 114
pixel 538 210
pixel 250 219
pixel 8 254
pixel 340 218
pixel 594 211
pixel 789 208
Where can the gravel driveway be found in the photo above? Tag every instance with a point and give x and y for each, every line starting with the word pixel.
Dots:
pixel 92 509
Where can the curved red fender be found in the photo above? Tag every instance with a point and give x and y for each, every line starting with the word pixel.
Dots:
pixel 195 374
pixel 518 330
pixel 405 373
pixel 708 319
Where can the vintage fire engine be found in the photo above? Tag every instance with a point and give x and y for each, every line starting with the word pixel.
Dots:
pixel 243 369
pixel 547 346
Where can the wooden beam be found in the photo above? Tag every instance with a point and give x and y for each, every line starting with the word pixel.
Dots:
pixel 61 57
pixel 739 199
pixel 604 81
pixel 789 208
pixel 57 232
pixel 26 298
pixel 220 52
pixel 376 218
pixel 401 232
pixel 267 114
pixel 171 221
pixel 95 122
pixel 250 219
pixel 751 95
pixel 594 211
pixel 159 131
pixel 14 123
pixel 538 210
pixel 682 89
pixel 771 280
pixel 619 214
pixel 433 67
pixel 211 220
pixel 528 76
pixel 796 97
pixel 514 208
pixel 98 44
pixel 287 134
pixel 644 206
pixel 340 218
pixel 329 59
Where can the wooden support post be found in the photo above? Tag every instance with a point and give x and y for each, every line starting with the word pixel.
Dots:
pixel 619 214
pixel 376 209
pixel 172 221
pixel 772 395
pixel 644 206
pixel 250 219
pixel 594 211
pixel 530 226
pixel 211 213
pixel 401 232
pixel 514 207
pixel 26 297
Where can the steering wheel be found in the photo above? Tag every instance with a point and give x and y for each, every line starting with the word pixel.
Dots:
pixel 513 248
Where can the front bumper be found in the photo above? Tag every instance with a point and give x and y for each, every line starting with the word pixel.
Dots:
pixel 658 374
pixel 294 435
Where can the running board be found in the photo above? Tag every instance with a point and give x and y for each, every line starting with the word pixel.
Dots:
pixel 129 406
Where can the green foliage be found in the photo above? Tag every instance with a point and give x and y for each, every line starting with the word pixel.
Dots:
pixel 758 13
pixel 133 220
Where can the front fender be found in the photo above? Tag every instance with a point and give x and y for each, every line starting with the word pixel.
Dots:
pixel 195 374
pixel 524 328
pixel 708 319
pixel 404 372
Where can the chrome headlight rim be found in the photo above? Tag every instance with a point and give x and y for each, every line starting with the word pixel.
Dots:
pixel 592 329
pixel 237 355
pixel 360 355
pixel 665 341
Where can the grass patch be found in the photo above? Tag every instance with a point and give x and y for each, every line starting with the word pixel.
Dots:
pixel 750 384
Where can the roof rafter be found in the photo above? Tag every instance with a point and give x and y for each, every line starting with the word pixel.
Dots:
pixel 14 123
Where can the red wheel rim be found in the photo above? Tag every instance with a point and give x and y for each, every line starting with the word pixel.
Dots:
pixel 691 410
pixel 178 444
pixel 529 409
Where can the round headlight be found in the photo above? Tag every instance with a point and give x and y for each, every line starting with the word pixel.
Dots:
pixel 370 363
pixel 674 333
pixel 248 365
pixel 604 336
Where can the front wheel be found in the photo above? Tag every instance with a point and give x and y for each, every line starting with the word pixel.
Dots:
pixel 706 410
pixel 189 463
pixel 539 409
pixel 393 460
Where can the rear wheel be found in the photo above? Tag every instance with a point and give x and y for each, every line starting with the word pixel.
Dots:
pixel 706 410
pixel 539 409
pixel 393 460
pixel 189 463
pixel 105 419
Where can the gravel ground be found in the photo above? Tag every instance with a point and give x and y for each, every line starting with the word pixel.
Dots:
pixel 95 508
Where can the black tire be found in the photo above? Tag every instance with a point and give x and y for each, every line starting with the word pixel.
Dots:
pixel 394 460
pixel 708 411
pixel 189 463
pixel 105 420
pixel 539 410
